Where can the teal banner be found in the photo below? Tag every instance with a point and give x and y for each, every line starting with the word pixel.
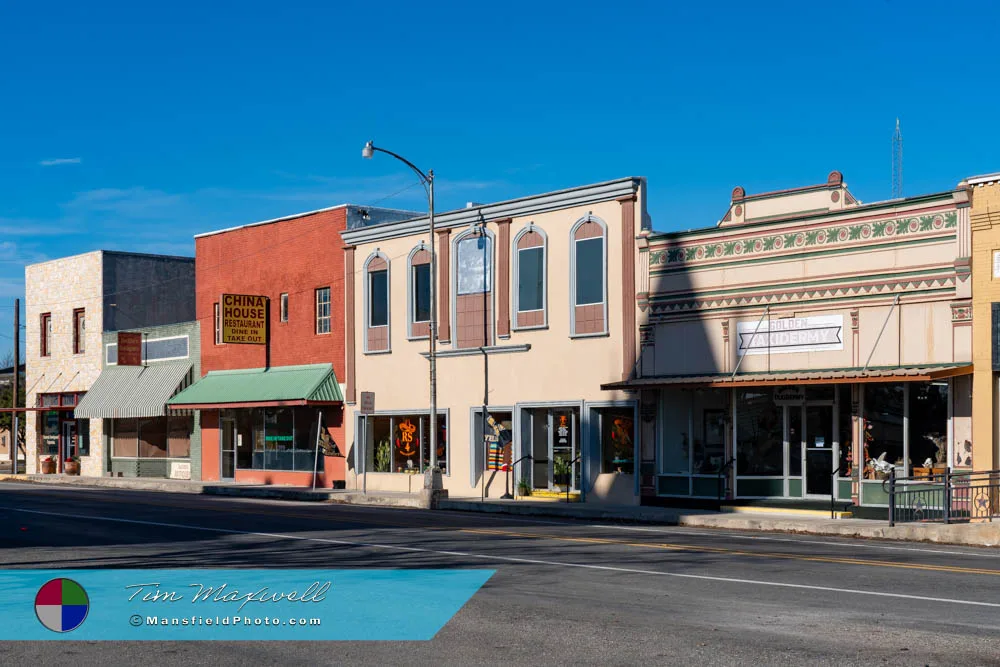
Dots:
pixel 232 605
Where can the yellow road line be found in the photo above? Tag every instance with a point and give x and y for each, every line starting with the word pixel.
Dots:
pixel 737 552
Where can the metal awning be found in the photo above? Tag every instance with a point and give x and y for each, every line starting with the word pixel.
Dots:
pixel 133 391
pixel 315 384
pixel 922 373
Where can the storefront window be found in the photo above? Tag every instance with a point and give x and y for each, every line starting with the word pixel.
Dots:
pixel 846 432
pixel 400 443
pixel 442 441
pixel 710 411
pixel 617 440
pixel 83 437
pixel 675 441
pixel 50 433
pixel 760 434
pixel 179 431
pixel 148 437
pixel 795 441
pixel 928 419
pixel 883 410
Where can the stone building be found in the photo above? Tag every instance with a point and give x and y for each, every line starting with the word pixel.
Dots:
pixel 70 302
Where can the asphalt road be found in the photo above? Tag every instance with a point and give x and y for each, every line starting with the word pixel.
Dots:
pixel 564 592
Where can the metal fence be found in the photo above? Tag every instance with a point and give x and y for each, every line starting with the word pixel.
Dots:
pixel 945 497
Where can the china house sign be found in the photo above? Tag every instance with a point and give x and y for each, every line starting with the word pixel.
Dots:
pixel 790 334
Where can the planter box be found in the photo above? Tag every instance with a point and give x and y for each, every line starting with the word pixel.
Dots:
pixel 72 468
pixel 48 467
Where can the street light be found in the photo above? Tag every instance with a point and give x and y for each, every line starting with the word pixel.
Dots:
pixel 427 180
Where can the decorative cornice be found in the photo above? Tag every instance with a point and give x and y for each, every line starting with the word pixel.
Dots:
pixel 805 295
pixel 788 243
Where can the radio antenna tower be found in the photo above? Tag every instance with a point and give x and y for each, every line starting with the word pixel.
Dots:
pixel 897 163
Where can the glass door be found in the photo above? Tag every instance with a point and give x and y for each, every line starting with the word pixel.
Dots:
pixel 227 461
pixel 819 449
pixel 563 467
pixel 69 439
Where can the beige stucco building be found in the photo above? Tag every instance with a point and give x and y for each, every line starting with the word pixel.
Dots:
pixel 805 345
pixel 538 293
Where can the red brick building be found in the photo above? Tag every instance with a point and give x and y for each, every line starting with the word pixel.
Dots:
pixel 266 408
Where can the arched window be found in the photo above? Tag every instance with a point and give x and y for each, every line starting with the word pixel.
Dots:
pixel 473 271
pixel 588 277
pixel 530 278
pixel 419 287
pixel 377 303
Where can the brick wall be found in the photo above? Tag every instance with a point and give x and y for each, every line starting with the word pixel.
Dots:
pixel 985 223
pixel 294 256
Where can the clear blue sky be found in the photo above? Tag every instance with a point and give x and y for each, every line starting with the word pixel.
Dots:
pixel 136 125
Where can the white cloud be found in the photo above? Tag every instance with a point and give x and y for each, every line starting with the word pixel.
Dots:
pixel 55 162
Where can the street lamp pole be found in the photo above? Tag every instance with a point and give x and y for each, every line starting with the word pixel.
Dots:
pixel 428 182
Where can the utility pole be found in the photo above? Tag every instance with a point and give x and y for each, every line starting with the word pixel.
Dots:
pixel 17 386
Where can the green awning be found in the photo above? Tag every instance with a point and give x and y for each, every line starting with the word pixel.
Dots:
pixel 259 387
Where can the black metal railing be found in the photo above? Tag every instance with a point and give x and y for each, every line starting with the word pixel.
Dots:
pixel 513 468
pixel 572 473
pixel 950 496
pixel 720 478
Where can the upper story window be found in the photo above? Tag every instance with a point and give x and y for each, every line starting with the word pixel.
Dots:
pixel 377 303
pixel 322 310
pixel 420 292
pixel 530 308
pixel 473 318
pixel 79 331
pixel 45 335
pixel 588 277
pixel 284 307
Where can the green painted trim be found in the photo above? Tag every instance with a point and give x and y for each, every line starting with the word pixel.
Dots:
pixel 794 487
pixel 872 493
pixel 658 318
pixel 706 487
pixel 683 268
pixel 901 275
pixel 941 197
pixel 746 487
pixel 672 486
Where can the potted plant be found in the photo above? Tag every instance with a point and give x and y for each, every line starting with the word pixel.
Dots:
pixel 48 465
pixel 561 472
pixel 524 488
pixel 72 465
pixel 382 456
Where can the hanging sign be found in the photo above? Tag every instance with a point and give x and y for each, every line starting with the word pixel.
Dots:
pixel 790 334
pixel 367 402
pixel 243 319
pixel 129 348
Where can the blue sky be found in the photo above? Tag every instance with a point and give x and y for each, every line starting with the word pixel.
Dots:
pixel 134 126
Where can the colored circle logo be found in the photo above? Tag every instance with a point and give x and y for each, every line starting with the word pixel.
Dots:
pixel 61 605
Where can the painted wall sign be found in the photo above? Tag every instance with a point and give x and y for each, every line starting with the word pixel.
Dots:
pixel 129 348
pixel 791 334
pixel 789 396
pixel 180 470
pixel 244 319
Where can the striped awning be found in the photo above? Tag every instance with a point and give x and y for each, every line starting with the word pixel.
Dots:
pixel 134 391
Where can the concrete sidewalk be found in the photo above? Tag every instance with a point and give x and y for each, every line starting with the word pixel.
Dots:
pixel 978 534
pixel 760 519
pixel 262 491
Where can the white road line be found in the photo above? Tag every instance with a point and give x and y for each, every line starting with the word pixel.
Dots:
pixel 512 559
pixel 850 545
